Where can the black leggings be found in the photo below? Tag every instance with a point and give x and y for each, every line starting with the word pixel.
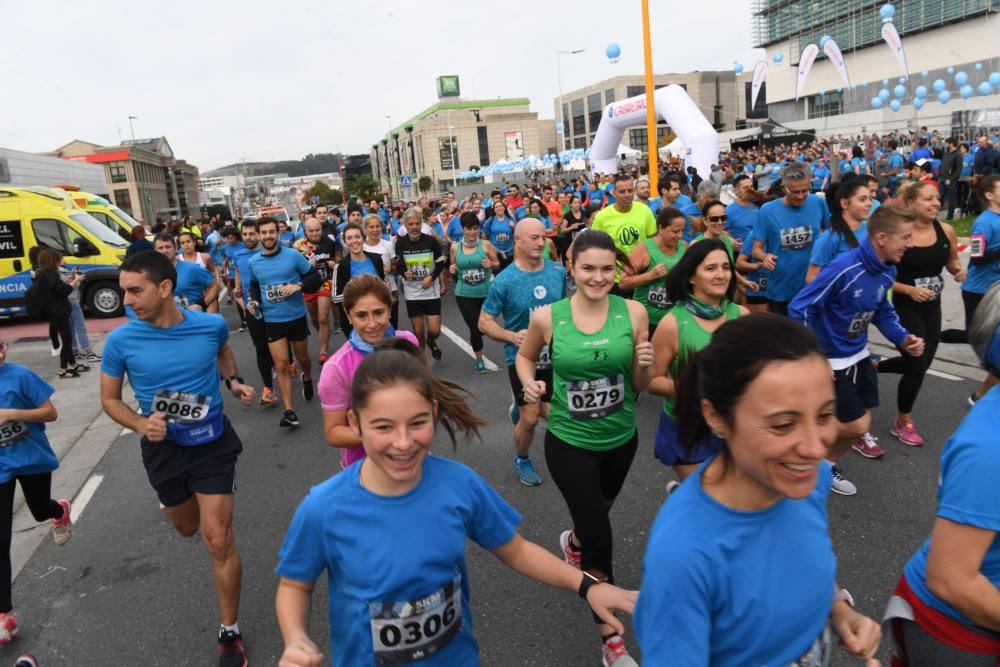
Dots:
pixel 265 363
pixel 470 307
pixel 589 483
pixel 37 495
pixel 60 326
pixel 923 320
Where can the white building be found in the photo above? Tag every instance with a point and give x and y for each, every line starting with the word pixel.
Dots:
pixel 19 169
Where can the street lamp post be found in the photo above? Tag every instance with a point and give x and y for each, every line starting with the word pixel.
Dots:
pixel 138 178
pixel 559 84
pixel 388 159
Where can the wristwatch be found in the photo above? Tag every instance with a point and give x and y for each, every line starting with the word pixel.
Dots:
pixel 588 581
pixel 229 382
pixel 845 595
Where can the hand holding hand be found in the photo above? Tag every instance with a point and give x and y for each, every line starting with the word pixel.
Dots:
pixel 606 598
pixel 859 634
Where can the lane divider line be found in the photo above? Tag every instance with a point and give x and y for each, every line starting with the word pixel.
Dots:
pixel 87 492
pixel 465 347
pixel 946 376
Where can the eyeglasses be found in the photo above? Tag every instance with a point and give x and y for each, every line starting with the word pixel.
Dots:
pixel 717 218
pixel 800 193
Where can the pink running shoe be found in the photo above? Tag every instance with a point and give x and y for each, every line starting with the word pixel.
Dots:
pixel 570 555
pixel 62 528
pixel 614 653
pixel 867 446
pixel 8 627
pixel 906 433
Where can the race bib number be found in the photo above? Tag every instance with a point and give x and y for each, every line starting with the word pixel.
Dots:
pixel 762 281
pixel 859 323
pixel 181 407
pixel 933 283
pixel 658 298
pixel 820 654
pixel 977 246
pixel 502 237
pixel 181 301
pixel 275 293
pixel 544 359
pixel 593 399
pixel 12 433
pixel 473 276
pixel 796 238
pixel 403 632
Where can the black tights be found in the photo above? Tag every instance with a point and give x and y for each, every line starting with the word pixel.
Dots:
pixel 470 307
pixel 264 361
pixel 923 320
pixel 59 325
pixel 37 495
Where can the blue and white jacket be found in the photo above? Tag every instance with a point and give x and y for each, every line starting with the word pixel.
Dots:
pixel 849 293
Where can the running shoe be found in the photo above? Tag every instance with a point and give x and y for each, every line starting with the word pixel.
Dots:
pixel 92 357
pixel 307 388
pixel 79 356
pixel 614 653
pixel 62 528
pixel 289 420
pixel 323 356
pixel 841 484
pixel 514 412
pixel 243 328
pixel 867 446
pixel 81 368
pixel 231 653
pixel 570 554
pixel 8 627
pixel 26 660
pixel 433 347
pixel 672 486
pixel 268 396
pixel 906 433
pixel 973 397
pixel 56 350
pixel 526 471
pixel 480 367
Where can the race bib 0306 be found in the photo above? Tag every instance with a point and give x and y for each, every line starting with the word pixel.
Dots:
pixel 593 399
pixel 403 632
pixel 12 432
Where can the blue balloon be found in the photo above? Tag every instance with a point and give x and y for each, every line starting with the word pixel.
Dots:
pixel 884 94
pixel 887 11
pixel 966 91
pixel 979 67
pixel 895 105
pixel 899 90
pixel 864 85
pixel 918 103
pixel 823 40
pixel 995 79
pixel 939 85
pixel 778 57
pixel 944 96
pixel 985 88
pixel 925 74
pixel 559 127
pixel 951 70
pixel 902 79
pixel 738 68
pixel 876 103
pixel 921 91
pixel 961 78
pixel 613 51
pixel 885 82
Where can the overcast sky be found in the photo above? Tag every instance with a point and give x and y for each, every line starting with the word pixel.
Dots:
pixel 225 80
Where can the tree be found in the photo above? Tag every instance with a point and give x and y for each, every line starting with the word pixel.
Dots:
pixel 425 184
pixel 221 209
pixel 326 194
pixel 364 186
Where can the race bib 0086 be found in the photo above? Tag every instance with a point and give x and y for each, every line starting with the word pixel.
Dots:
pixel 181 407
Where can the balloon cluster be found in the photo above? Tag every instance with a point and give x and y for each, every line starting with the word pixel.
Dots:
pixel 939 87
pixel 530 163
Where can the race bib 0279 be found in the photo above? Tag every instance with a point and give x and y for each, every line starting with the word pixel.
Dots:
pixel 593 399
pixel 403 632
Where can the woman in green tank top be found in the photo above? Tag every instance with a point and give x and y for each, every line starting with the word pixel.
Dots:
pixel 473 261
pixel 601 356
pixel 714 218
pixel 701 286
pixel 652 260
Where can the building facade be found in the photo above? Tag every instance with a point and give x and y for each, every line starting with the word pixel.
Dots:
pixel 144 177
pixel 22 169
pixel 452 136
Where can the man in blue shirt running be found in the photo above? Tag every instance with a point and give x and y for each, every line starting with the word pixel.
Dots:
pixel 195 288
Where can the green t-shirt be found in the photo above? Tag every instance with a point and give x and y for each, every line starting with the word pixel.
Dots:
pixel 627 229
pixel 728 242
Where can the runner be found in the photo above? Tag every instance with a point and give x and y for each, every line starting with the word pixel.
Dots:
pixel 627 222
pixel 232 245
pixel 473 261
pixel 356 262
pixel 984 259
pixel 419 261
pixel 601 356
pixel 942 610
pixel 574 222
pixel 785 233
pixel 652 260
pixel 916 296
pixel 26 458
pixel 367 302
pixel 321 251
pixel 714 219
pixel 754 271
pixel 256 325
pixel 849 293
pixel 174 359
pixel 499 230
pixel 384 247
pixel 849 210
pixel 529 283
pixel 397 496
pixel 278 277
pixel 744 545
pixel 701 286
pixel 195 288
pixel 189 253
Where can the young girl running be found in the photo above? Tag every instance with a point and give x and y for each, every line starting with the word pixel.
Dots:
pixel 397 596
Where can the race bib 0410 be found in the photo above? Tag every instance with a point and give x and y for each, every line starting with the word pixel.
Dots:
pixel 12 432
pixel 403 632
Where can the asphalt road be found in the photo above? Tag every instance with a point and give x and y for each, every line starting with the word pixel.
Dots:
pixel 128 590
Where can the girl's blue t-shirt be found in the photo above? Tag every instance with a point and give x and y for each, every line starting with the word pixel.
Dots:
pixel 24 447
pixel 388 558
pixel 831 244
pixel 500 233
pixel 724 588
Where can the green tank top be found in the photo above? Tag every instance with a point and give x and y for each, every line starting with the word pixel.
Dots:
pixel 653 295
pixel 546 253
pixel 592 395
pixel 472 280
pixel 728 242
pixel 691 338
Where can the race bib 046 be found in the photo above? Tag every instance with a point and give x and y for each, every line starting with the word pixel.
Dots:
pixel 275 293
pixel 593 399
pixel 403 632
pixel 12 432
pixel 796 238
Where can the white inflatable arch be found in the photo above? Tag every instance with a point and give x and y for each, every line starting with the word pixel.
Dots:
pixel 677 109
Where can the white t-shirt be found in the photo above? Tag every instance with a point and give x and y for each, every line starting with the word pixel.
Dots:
pixel 387 250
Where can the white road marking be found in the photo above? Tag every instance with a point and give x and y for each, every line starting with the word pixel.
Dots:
pixel 946 376
pixel 464 345
pixel 125 431
pixel 86 493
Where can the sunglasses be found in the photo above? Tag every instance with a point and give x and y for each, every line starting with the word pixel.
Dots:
pixel 717 218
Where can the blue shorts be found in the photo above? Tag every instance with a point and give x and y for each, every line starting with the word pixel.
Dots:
pixel 670 451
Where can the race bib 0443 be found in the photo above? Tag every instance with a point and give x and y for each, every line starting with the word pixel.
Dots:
pixel 12 432
pixel 403 632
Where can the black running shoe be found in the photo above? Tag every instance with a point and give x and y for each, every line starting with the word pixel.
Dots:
pixel 433 347
pixel 231 652
pixel 289 420
pixel 307 388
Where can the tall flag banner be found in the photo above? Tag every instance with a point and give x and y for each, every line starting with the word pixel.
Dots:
pixel 759 73
pixel 805 64
pixel 832 52
pixel 891 37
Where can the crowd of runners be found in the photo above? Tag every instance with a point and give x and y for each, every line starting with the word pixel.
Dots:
pixel 748 320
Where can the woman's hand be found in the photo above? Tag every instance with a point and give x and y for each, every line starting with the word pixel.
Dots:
pixel 534 390
pixel 605 599
pixel 302 653
pixel 859 634
pixel 644 351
